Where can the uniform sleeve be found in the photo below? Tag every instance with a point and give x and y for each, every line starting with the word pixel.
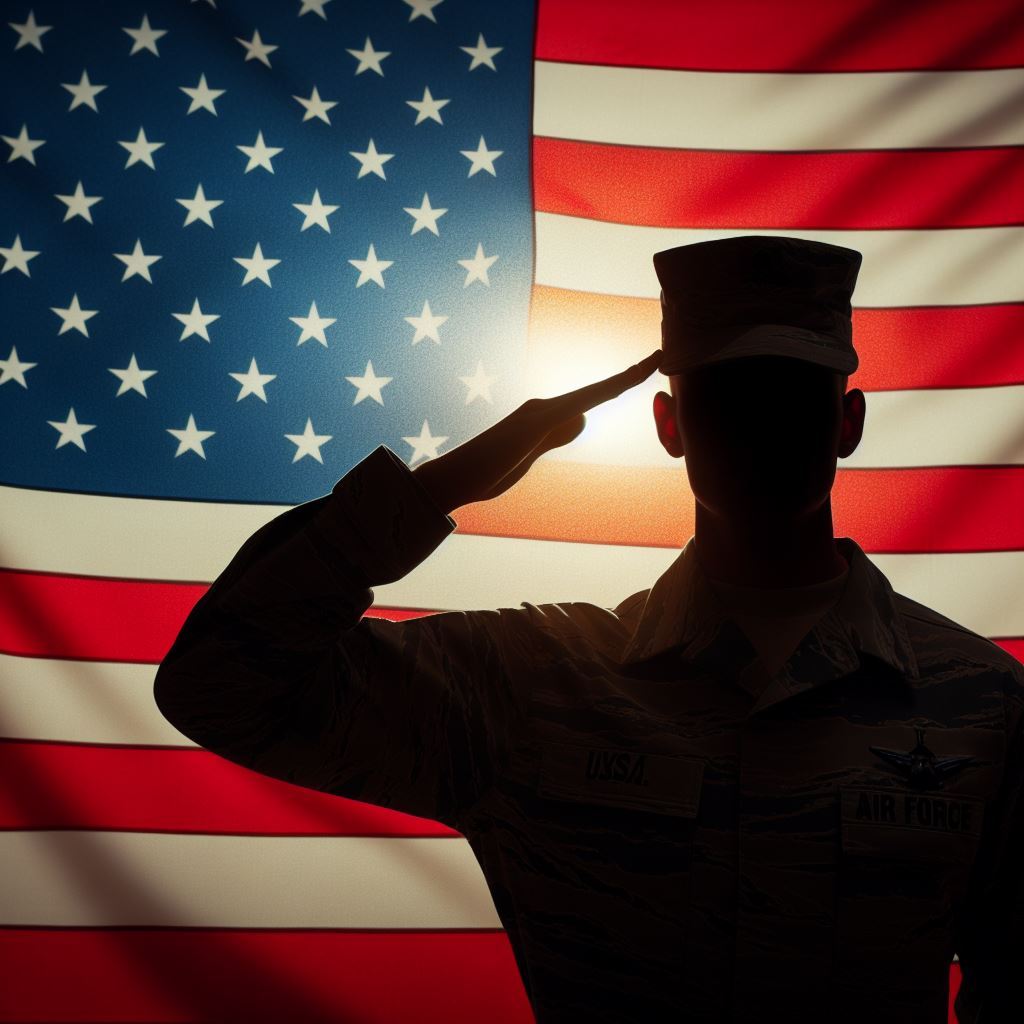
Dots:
pixel 989 935
pixel 276 670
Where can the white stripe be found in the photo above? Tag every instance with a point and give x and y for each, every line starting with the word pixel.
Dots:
pixel 97 535
pixel 961 266
pixel 779 111
pixel 82 702
pixel 941 427
pixel 88 879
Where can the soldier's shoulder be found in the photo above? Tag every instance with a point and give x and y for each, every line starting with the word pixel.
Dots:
pixel 584 616
pixel 935 637
pixel 582 629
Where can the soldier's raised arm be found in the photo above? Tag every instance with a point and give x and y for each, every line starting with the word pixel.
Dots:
pixel 276 669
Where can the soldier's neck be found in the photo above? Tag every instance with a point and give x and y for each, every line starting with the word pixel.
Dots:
pixel 759 552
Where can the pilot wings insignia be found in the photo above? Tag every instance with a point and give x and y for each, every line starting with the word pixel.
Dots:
pixel 922 769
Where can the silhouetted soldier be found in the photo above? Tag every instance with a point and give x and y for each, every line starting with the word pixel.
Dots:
pixel 766 788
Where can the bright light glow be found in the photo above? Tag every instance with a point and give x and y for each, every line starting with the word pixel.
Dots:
pixel 566 355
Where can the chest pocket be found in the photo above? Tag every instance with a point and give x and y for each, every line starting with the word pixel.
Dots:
pixel 621 826
pixel 625 814
pixel 903 844
pixel 626 780
pixel 612 752
pixel 904 865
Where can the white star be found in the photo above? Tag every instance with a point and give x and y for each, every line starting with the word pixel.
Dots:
pixel 260 154
pixel 315 212
pixel 145 37
pixel 427 107
pixel 190 438
pixel 71 431
pixel 256 265
pixel 482 53
pixel 367 386
pixel 308 443
pixel 479 385
pixel 256 49
pixel 317 6
pixel 29 32
pixel 12 368
pixel 423 9
pixel 253 381
pixel 424 446
pixel 369 58
pixel 426 324
pixel 315 106
pixel 199 207
pixel 79 204
pixel 425 216
pixel 16 257
pixel 371 161
pixel 481 158
pixel 136 262
pixel 371 269
pixel 132 378
pixel 23 146
pixel 202 96
pixel 141 150
pixel 477 267
pixel 195 322
pixel 313 325
pixel 85 93
pixel 73 317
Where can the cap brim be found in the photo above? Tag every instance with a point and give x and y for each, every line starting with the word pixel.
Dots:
pixel 772 340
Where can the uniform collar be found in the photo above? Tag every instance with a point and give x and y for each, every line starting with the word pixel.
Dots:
pixel 682 613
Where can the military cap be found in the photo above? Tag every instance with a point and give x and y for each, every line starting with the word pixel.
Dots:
pixel 757 295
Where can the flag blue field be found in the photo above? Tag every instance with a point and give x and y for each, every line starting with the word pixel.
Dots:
pixel 246 247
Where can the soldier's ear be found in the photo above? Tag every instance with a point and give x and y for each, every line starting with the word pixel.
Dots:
pixel 852 427
pixel 666 424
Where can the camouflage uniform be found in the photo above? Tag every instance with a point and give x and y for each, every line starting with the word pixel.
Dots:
pixel 669 833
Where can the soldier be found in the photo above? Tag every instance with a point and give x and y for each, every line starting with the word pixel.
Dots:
pixel 766 788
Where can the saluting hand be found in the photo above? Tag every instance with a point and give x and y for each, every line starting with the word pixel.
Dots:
pixel 491 462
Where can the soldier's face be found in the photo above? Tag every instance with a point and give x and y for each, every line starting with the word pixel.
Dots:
pixel 761 434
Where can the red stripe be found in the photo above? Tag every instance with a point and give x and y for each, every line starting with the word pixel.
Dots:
pixel 141 974
pixel 153 789
pixel 1014 646
pixel 187 974
pixel 98 618
pixel 899 348
pixel 955 978
pixel 81 615
pixel 938 347
pixel 682 188
pixel 785 35
pixel 885 511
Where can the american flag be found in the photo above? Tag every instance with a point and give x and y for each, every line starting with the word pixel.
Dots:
pixel 244 243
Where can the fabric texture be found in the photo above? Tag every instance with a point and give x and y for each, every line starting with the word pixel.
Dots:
pixel 669 830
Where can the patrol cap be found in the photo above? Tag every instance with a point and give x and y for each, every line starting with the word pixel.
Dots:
pixel 757 295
